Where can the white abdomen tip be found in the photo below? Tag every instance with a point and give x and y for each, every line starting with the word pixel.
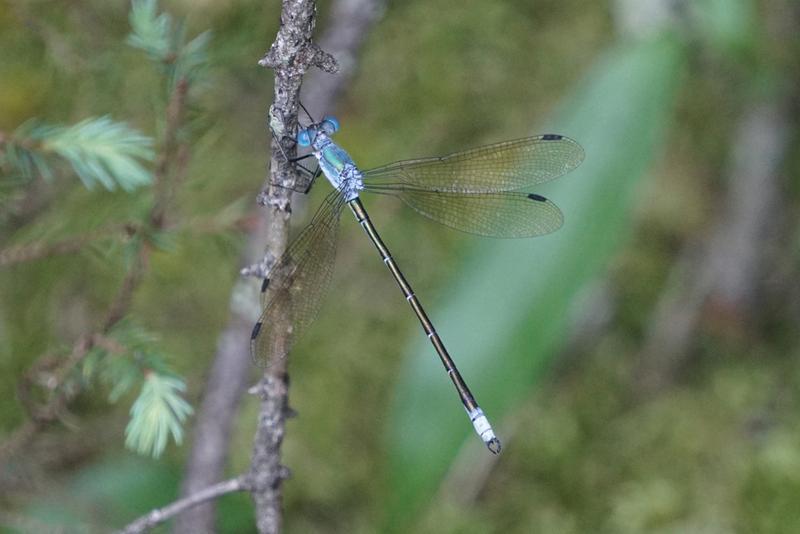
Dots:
pixel 484 430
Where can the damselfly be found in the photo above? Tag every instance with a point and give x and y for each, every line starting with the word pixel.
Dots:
pixel 476 191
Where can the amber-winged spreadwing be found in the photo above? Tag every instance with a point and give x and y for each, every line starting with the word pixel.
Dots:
pixel 477 191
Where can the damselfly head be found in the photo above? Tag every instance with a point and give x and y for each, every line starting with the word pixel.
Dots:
pixel 304 138
pixel 329 125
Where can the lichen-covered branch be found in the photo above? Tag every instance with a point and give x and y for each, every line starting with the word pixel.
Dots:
pixel 350 22
pixel 290 56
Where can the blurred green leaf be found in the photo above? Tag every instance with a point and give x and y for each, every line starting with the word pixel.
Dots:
pixel 728 25
pixel 506 310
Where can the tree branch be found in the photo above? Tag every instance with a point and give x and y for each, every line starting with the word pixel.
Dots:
pixel 291 55
pixel 350 22
pixel 721 277
pixel 160 515
pixel 39 249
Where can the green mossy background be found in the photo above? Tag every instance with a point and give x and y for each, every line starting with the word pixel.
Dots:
pixel 718 451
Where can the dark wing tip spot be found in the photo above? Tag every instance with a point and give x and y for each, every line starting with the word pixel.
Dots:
pixel 256 330
pixel 264 285
pixel 552 137
pixel 538 198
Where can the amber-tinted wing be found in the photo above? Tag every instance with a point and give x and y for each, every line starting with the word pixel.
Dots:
pixel 506 214
pixel 506 166
pixel 293 292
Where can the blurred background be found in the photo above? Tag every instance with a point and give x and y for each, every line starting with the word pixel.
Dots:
pixel 641 365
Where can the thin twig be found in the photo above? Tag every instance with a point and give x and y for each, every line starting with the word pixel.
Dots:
pixel 172 160
pixel 53 374
pixel 124 231
pixel 21 436
pixel 38 250
pixel 168 166
pixel 160 515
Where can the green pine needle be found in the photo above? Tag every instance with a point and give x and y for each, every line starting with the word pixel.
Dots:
pixel 156 36
pixel 151 31
pixel 157 413
pixel 193 57
pixel 100 151
pixel 129 356
pixel 103 151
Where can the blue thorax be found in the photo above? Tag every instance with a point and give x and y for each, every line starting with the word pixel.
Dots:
pixel 336 164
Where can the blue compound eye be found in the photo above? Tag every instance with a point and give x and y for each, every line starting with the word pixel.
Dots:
pixel 304 138
pixel 330 125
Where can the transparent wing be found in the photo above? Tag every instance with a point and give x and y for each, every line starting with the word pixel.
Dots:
pixel 506 166
pixel 293 293
pixel 505 214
